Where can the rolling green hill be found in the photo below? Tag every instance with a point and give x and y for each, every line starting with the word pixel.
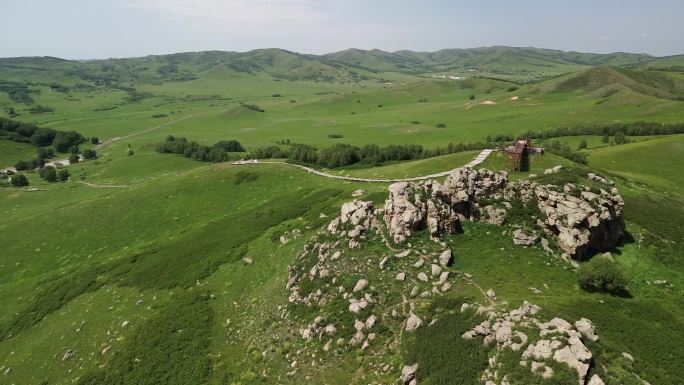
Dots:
pixel 153 268
pixel 607 79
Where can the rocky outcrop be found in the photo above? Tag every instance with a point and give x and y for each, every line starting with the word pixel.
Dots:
pixel 581 220
pixel 412 207
pixel 355 219
pixel 556 340
pixel 465 187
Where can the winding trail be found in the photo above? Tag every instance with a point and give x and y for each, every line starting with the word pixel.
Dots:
pixel 477 160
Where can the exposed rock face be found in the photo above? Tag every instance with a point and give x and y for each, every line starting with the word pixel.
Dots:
pixel 412 207
pixel 466 186
pixel 355 219
pixel 582 225
pixel 581 221
pixel 521 238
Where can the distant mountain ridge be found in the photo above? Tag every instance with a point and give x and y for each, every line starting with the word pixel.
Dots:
pixel 352 65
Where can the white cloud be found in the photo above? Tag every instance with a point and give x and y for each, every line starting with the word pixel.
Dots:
pixel 234 11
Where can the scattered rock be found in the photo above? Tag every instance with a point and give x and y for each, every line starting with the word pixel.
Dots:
pixel 360 285
pixel 520 238
pixel 400 276
pixel 69 354
pixel 446 258
pixel 413 322
pixel 586 327
pixel 408 373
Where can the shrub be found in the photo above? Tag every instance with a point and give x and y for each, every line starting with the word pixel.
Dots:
pixel 414 121
pixel 94 140
pixel 89 154
pixel 23 165
pixel 253 107
pixel 471 97
pixel 602 274
pixel 63 175
pixel 440 125
pixel 335 136
pixel 49 174
pixel 19 180
pixel 74 158
pixel 583 144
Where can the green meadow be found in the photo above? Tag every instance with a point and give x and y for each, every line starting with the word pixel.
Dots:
pixel 150 266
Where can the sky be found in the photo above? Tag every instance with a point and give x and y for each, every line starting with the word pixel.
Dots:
pixel 94 29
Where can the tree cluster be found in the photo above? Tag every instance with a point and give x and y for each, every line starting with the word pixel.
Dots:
pixel 50 174
pixel 610 129
pixel 340 155
pixel 62 141
pixel 219 152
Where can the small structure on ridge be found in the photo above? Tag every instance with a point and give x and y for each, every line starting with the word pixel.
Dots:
pixel 518 154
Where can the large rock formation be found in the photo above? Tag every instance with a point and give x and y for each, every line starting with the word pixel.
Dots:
pixel 580 219
pixel 412 206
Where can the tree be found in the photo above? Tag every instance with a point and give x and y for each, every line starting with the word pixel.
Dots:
pixel 23 165
pixel 583 144
pixel 63 175
pixel 74 158
pixel 605 139
pixel 94 140
pixel 129 152
pixel 49 174
pixel 230 146
pixel 621 138
pixel 19 180
pixel 63 141
pixel 89 154
pixel 471 97
pixel 602 274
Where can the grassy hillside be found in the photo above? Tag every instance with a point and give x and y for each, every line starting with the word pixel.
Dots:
pixel 150 268
pixel 607 80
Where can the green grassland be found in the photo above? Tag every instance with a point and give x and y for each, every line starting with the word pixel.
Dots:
pixel 138 264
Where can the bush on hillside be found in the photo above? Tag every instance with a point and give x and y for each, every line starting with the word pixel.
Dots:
pixel 89 154
pixel 63 175
pixel 602 274
pixel 253 107
pixel 74 158
pixel 19 180
pixel 49 174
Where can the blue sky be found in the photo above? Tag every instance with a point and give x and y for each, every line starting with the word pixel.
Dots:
pixel 85 29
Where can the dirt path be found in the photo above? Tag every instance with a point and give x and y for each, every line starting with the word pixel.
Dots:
pixel 477 160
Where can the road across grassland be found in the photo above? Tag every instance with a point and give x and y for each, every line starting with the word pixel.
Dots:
pixel 477 160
